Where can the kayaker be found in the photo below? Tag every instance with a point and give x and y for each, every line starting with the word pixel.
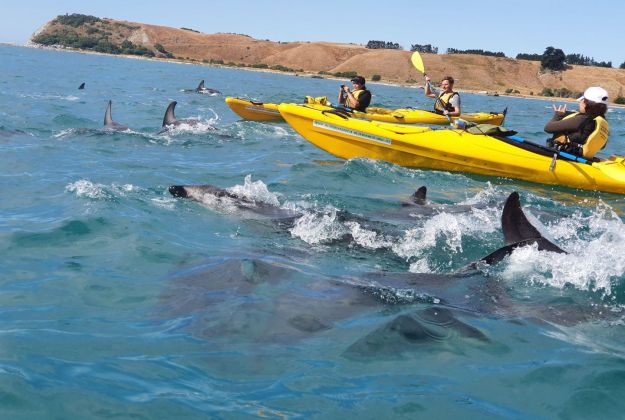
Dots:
pixel 581 133
pixel 447 101
pixel 359 98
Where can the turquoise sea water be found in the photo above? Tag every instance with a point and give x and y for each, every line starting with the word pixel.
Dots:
pixel 120 301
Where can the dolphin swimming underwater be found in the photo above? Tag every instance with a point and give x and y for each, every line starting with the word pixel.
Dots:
pixel 217 197
pixel 109 124
pixel 203 192
pixel 431 312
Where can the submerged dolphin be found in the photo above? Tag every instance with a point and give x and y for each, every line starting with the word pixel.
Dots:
pixel 201 192
pixel 283 217
pixel 109 124
pixel 290 304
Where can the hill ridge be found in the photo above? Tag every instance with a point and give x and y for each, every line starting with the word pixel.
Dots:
pixel 472 72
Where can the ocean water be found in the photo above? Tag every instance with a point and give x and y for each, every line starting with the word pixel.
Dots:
pixel 118 300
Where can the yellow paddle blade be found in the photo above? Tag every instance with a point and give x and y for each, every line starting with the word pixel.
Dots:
pixel 417 62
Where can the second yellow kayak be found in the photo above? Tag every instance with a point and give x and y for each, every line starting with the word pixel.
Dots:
pixel 261 111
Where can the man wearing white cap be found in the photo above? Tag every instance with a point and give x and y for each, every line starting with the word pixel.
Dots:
pixel 581 133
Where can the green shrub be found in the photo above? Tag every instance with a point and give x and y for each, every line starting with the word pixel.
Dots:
pixel 346 74
pixel 376 78
pixel 76 19
pixel 280 67
pixel 620 100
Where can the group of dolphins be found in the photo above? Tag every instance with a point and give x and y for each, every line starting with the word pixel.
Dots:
pixel 517 229
pixel 169 120
pixel 302 311
pixel 301 317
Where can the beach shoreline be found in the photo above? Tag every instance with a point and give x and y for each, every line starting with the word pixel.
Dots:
pixel 293 74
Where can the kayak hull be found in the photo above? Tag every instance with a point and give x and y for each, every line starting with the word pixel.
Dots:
pixel 260 111
pixel 448 150
pixel 255 111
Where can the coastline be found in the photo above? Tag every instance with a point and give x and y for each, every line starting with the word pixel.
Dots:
pixel 293 74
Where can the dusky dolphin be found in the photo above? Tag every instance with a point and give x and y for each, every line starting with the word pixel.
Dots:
pixel 82 85
pixel 203 90
pixel 109 124
pixel 285 218
pixel 418 206
pixel 206 91
pixel 467 289
pixel 259 208
pixel 170 120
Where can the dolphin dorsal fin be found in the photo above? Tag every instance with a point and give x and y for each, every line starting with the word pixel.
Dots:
pixel 169 117
pixel 82 85
pixel 514 223
pixel 418 197
pixel 108 120
pixel 200 86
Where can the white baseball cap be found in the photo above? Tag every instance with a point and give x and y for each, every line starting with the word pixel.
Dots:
pixel 595 94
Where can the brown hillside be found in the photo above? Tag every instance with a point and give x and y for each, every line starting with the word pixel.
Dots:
pixel 472 72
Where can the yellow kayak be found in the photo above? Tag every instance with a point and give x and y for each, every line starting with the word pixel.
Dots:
pixel 453 150
pixel 260 111
pixel 255 111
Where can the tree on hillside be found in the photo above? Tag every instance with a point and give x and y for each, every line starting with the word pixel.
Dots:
pixel 529 56
pixel 427 48
pixel 586 61
pixel 622 66
pixel 383 44
pixel 474 51
pixel 553 59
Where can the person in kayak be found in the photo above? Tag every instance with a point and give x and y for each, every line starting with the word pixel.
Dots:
pixel 581 133
pixel 447 101
pixel 359 98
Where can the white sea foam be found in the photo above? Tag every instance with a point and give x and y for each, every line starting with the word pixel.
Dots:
pixel 315 228
pixel 447 227
pixel 87 189
pixel 256 191
pixel 596 254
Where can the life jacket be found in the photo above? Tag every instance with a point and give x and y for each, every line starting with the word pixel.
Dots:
pixel 357 93
pixel 442 103
pixel 595 141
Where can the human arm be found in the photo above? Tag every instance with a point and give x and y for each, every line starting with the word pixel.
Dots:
pixel 558 124
pixel 342 98
pixel 429 91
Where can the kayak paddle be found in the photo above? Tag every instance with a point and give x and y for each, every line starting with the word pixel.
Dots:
pixel 417 62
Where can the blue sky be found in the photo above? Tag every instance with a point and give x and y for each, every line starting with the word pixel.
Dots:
pixel 595 29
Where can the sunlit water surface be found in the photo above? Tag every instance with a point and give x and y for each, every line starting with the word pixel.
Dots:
pixel 119 300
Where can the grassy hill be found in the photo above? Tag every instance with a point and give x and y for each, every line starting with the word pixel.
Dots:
pixel 472 72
